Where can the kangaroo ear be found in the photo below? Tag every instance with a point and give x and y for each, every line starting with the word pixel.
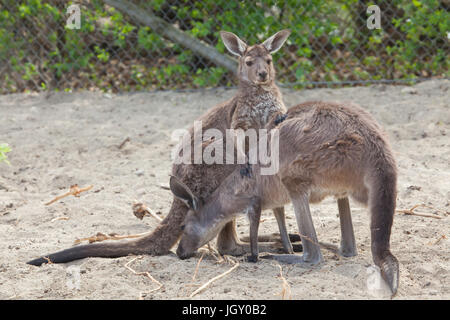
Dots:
pixel 182 192
pixel 232 42
pixel 275 42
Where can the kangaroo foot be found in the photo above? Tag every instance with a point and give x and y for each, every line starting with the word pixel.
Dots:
pixel 341 251
pixel 233 249
pixel 274 237
pixel 240 249
pixel 294 259
pixel 347 252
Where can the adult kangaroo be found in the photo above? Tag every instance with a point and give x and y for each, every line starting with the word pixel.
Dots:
pixel 256 99
pixel 324 149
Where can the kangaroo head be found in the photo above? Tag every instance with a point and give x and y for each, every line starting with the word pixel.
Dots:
pixel 205 219
pixel 255 62
pixel 194 231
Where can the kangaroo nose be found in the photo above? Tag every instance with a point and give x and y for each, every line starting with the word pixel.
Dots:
pixel 263 75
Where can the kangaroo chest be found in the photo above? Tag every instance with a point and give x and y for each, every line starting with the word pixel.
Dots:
pixel 255 112
pixel 272 191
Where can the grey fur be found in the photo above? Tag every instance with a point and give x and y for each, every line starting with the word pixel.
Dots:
pixel 325 149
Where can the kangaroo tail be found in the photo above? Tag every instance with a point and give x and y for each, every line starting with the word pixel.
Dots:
pixel 382 199
pixel 105 250
pixel 158 242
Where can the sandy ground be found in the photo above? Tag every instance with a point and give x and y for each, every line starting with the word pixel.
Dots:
pixel 72 138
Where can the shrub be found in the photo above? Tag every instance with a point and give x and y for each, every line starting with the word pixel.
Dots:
pixel 329 42
pixel 4 149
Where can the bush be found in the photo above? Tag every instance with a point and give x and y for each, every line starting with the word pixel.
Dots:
pixel 4 149
pixel 330 42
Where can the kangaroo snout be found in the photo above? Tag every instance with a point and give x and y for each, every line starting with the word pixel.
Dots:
pixel 183 254
pixel 262 75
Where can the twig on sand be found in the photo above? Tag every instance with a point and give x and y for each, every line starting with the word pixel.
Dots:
pixel 327 246
pixel 213 251
pixel 164 187
pixel 439 239
pixel 198 265
pixel 73 191
pixel 59 218
pixel 411 212
pixel 112 236
pixel 48 260
pixel 144 273
pixel 140 210
pixel 286 288
pixel 123 143
pixel 204 286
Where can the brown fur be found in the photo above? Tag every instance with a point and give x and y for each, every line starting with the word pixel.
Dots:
pixel 325 149
pixel 251 99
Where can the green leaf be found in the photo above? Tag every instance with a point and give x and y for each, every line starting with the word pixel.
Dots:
pixel 4 149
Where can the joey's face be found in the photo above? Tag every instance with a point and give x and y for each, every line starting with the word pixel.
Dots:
pixel 192 235
pixel 255 62
pixel 206 217
pixel 256 66
pixel 199 228
pixel 201 223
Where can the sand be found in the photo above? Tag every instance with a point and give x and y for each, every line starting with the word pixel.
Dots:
pixel 62 139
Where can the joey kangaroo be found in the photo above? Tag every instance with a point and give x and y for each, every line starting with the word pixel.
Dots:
pixel 257 97
pixel 325 149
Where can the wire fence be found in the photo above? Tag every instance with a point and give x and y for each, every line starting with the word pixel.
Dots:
pixel 123 45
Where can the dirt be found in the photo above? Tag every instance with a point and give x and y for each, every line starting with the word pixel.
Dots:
pixel 62 139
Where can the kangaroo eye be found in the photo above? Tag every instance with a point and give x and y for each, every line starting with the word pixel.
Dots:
pixel 269 61
pixel 249 63
pixel 182 227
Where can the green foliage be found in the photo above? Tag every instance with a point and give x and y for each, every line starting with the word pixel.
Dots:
pixel 425 25
pixel 111 52
pixel 4 149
